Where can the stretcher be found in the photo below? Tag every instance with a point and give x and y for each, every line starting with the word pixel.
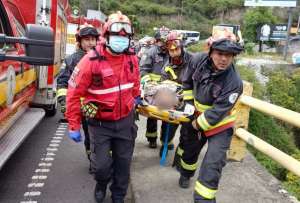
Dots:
pixel 164 101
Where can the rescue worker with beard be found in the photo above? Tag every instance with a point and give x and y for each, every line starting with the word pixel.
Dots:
pixel 215 86
pixel 151 64
pixel 108 78
pixel 86 39
pixel 174 70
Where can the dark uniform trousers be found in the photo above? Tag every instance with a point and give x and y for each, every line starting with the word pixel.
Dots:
pixel 151 129
pixel 84 124
pixel 172 131
pixel 118 137
pixel 151 133
pixel 191 143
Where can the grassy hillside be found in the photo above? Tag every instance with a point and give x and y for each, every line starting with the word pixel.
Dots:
pixel 197 15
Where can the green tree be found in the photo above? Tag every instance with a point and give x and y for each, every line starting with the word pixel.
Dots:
pixel 254 18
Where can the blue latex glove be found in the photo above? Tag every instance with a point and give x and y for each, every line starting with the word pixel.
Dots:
pixel 75 135
pixel 138 100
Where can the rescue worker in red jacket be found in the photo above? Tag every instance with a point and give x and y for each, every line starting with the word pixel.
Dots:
pixel 179 60
pixel 108 78
pixel 151 64
pixel 86 39
pixel 215 86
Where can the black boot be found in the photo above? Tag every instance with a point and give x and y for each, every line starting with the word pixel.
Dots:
pixel 184 182
pixel 152 144
pixel 99 193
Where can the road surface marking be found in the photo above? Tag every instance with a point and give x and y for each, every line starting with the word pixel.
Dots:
pixel 32 193
pixel 39 177
pixel 57 138
pixel 59 134
pixel 42 164
pixel 36 185
pixel 42 170
pixel 55 141
pixel 53 145
pixel 52 149
pixel 46 161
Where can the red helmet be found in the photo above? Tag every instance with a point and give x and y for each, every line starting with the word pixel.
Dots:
pixel 86 30
pixel 174 40
pixel 117 23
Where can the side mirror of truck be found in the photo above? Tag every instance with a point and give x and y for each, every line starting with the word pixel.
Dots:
pixel 44 49
pixel 39 45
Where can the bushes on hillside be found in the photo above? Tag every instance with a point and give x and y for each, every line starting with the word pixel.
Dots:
pixel 292 182
pixel 284 91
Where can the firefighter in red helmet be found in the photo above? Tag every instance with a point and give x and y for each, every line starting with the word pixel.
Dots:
pixel 108 79
pixel 174 69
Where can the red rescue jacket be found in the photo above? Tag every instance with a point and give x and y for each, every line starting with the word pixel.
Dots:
pixel 112 88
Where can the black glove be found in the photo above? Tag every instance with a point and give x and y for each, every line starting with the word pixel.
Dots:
pixel 62 101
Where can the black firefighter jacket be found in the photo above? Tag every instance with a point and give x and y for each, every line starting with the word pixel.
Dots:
pixel 214 93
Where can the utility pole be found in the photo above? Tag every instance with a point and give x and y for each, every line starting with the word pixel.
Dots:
pixel 298 26
pixel 99 2
pixel 288 33
pixel 181 15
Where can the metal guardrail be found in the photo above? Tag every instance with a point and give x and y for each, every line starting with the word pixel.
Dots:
pixel 280 113
pixel 282 158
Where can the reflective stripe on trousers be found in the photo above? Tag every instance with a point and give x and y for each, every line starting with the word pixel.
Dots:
pixel 205 191
pixel 212 165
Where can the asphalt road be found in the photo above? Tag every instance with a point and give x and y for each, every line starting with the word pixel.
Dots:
pixel 48 168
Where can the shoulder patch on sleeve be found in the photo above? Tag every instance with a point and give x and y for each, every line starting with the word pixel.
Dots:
pixel 233 97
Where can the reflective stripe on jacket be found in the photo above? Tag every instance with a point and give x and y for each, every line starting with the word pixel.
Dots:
pixel 208 129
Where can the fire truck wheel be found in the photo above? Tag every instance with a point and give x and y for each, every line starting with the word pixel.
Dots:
pixel 51 110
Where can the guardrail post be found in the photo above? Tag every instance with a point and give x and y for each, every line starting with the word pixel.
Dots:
pixel 237 149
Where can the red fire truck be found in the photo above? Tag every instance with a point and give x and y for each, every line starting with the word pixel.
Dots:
pixel 27 69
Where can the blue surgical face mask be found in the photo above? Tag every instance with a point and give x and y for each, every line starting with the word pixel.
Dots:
pixel 118 44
